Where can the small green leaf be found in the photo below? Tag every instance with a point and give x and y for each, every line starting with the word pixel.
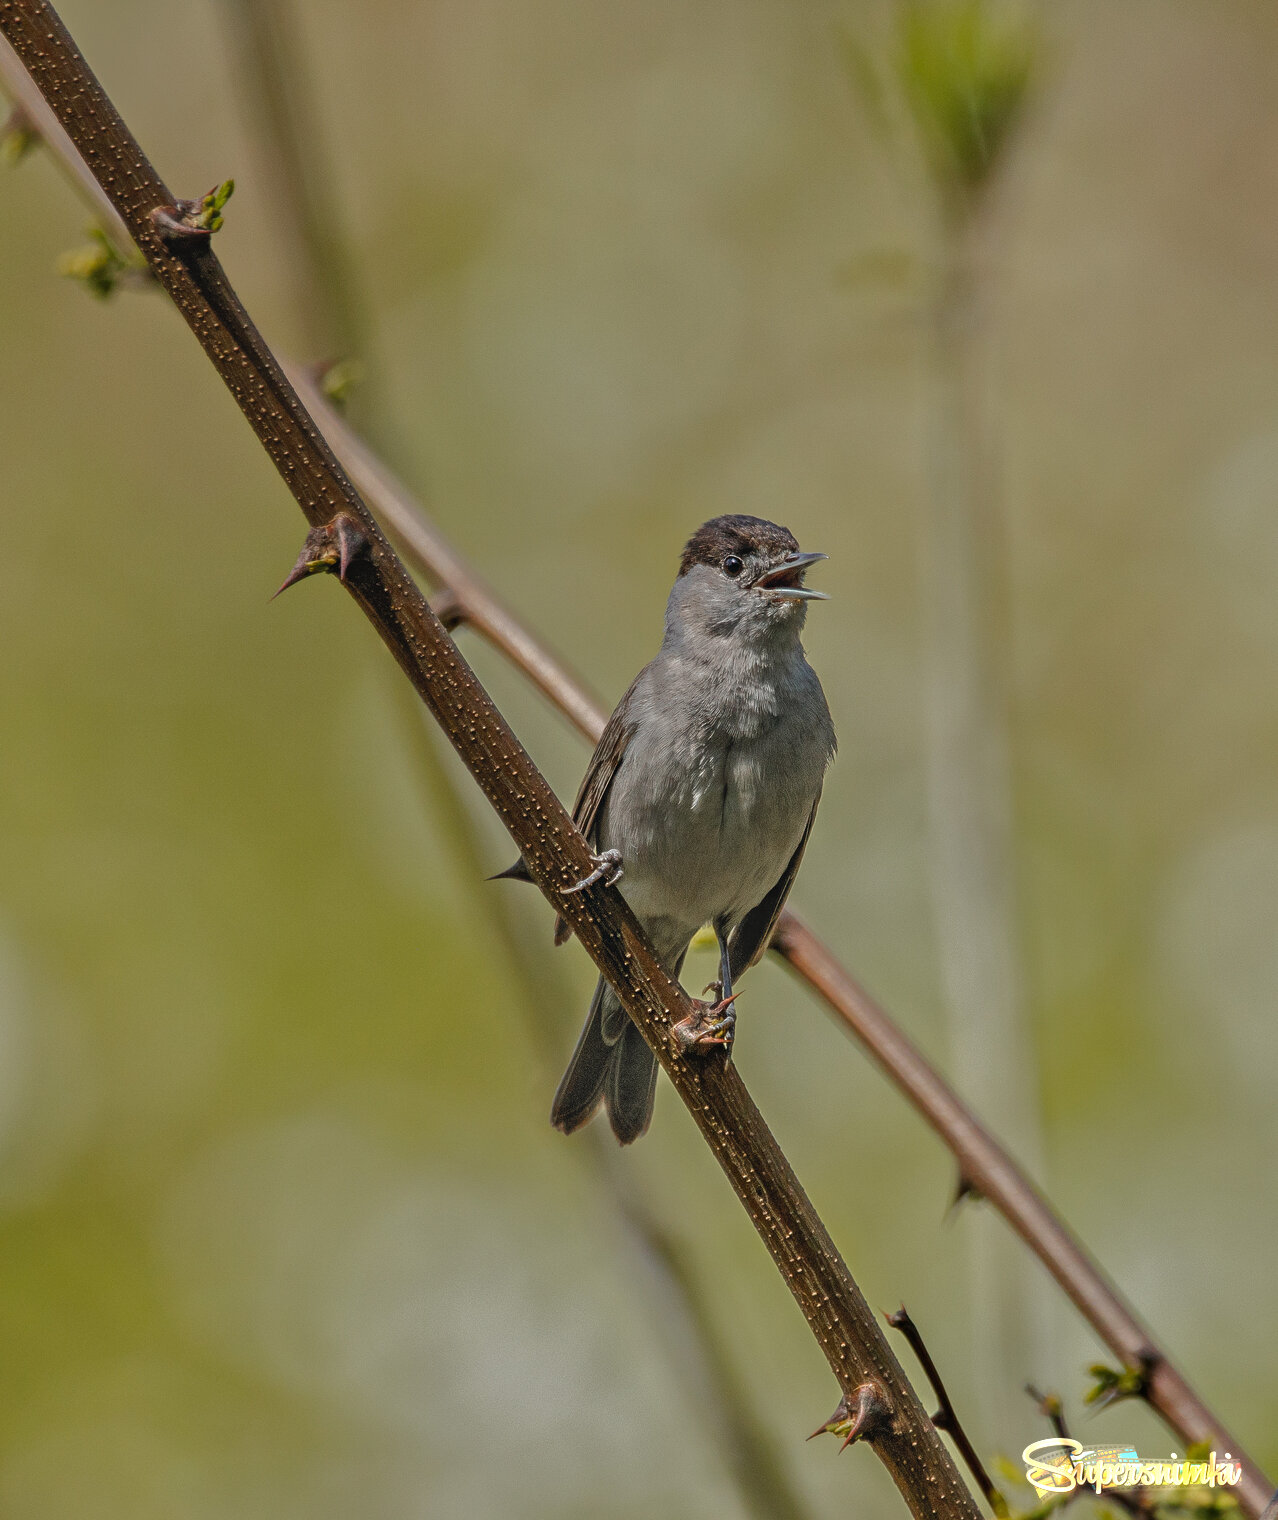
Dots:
pixel 210 214
pixel 1111 1385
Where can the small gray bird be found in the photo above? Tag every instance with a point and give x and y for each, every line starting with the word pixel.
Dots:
pixel 700 796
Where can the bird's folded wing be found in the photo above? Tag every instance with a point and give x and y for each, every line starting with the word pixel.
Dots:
pixel 603 767
pixel 750 937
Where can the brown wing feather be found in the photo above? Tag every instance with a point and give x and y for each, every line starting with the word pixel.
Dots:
pixel 750 937
pixel 603 767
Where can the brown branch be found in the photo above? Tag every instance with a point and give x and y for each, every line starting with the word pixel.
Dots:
pixel 984 1165
pixel 946 1416
pixel 901 1434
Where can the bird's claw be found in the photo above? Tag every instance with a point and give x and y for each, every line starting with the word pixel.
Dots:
pixel 710 1026
pixel 607 869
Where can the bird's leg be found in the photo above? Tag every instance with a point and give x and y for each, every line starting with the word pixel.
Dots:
pixel 607 869
pixel 712 1024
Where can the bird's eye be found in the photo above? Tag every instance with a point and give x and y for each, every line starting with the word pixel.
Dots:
pixel 732 565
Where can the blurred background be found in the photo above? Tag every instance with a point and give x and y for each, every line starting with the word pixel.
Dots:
pixel 284 1230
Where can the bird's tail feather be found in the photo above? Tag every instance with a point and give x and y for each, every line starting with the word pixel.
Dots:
pixel 632 1085
pixel 582 1087
pixel 620 1072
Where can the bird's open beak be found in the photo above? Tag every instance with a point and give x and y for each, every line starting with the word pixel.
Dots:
pixel 786 579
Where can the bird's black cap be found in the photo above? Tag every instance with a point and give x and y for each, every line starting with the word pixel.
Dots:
pixel 735 533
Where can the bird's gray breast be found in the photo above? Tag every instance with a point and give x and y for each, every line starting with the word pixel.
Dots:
pixel 714 790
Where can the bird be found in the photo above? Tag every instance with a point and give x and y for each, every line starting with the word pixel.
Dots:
pixel 701 794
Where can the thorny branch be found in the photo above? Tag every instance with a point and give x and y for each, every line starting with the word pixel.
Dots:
pixel 986 1169
pixel 946 1417
pixel 345 536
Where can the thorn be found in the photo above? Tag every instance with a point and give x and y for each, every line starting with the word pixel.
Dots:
pixel 185 222
pixel 861 1417
pixel 870 1417
pixel 518 872
pixel 172 223
pixel 332 545
pixel 350 542
pixel 964 1189
pixel 839 1417
pixel 447 607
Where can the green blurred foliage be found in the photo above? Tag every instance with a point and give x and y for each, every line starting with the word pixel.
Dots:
pixel 966 67
pixel 284 1229
pixel 99 265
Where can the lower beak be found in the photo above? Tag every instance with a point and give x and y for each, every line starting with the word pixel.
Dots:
pixel 783 579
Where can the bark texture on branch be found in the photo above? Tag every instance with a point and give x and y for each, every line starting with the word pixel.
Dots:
pixel 555 852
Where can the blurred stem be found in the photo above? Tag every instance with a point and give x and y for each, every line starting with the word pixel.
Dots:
pixel 275 85
pixel 716 1392
pixel 971 855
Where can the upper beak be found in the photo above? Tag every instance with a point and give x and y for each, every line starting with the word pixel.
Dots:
pixel 783 579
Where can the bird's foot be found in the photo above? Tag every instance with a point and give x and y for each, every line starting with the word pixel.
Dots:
pixel 607 869
pixel 710 1026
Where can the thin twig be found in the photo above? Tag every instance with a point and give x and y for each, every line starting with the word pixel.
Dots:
pixel 946 1416
pixel 344 534
pixel 1052 1410
pixel 984 1164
